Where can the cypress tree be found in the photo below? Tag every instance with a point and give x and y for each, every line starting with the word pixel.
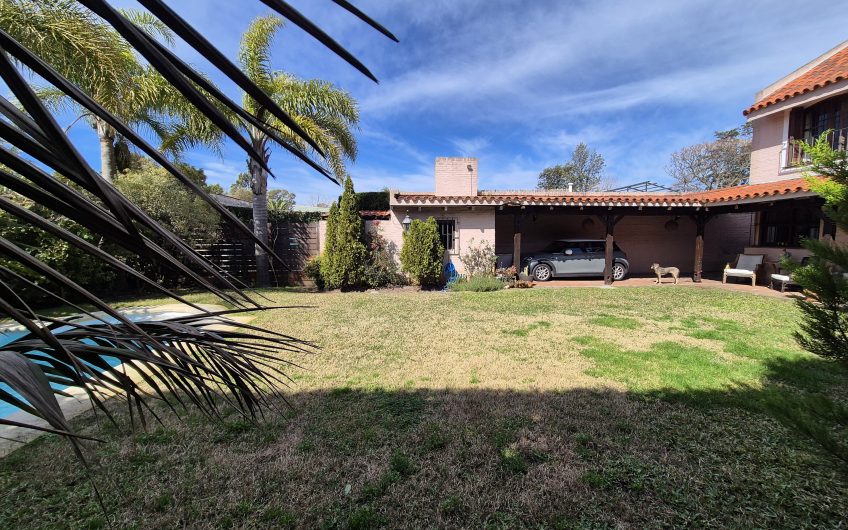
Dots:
pixel 347 255
pixel 824 329
pixel 422 253
pixel 326 264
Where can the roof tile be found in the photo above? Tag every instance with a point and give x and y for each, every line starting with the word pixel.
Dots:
pixel 831 70
pixel 736 193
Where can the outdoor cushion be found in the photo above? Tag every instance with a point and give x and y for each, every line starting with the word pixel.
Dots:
pixel 749 262
pixel 781 277
pixel 739 272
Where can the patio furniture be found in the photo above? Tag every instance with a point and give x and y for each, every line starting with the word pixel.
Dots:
pixel 783 277
pixel 745 267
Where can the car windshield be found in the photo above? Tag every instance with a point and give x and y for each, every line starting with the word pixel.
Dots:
pixel 556 246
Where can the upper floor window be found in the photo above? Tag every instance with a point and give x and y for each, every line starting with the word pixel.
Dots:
pixel 447 233
pixel 809 123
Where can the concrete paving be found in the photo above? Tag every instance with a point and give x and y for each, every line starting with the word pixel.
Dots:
pixel 683 282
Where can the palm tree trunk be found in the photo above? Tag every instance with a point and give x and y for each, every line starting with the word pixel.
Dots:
pixel 259 186
pixel 108 159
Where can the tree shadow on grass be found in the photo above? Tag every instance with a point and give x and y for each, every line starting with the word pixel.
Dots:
pixel 354 458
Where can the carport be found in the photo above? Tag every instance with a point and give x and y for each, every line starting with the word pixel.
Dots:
pixel 671 228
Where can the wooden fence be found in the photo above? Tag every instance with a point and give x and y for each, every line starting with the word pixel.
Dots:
pixel 293 241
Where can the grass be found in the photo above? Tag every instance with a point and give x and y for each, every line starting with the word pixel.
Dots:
pixel 542 408
pixel 479 284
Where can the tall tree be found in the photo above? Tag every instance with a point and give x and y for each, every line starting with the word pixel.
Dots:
pixel 824 330
pixel 724 162
pixel 327 113
pixel 345 253
pixel 96 58
pixel 584 171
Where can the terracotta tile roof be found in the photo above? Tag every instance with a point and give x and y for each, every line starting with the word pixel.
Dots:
pixel 829 71
pixel 753 191
pixel 561 198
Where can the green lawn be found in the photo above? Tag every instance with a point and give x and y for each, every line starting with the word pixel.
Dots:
pixel 539 408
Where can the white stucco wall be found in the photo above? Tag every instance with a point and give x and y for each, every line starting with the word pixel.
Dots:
pixel 472 226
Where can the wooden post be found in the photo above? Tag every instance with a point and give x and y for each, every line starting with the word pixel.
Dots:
pixel 700 223
pixel 608 249
pixel 516 243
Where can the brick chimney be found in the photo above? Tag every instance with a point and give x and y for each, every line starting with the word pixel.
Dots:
pixel 456 176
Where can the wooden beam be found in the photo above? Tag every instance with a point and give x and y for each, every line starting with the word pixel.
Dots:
pixel 516 242
pixel 610 222
pixel 698 269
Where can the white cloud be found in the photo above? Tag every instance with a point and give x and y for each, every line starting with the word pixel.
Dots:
pixel 473 147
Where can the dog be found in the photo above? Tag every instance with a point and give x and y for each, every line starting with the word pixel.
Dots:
pixel 662 271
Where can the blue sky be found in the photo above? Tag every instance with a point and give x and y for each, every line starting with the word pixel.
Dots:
pixel 518 84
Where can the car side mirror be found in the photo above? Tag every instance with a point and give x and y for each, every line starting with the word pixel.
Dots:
pixel 568 252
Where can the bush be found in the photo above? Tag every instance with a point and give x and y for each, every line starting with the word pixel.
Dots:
pixel 382 269
pixel 169 202
pixel 478 284
pixel 312 270
pixel 422 253
pixel 824 328
pixel 479 259
pixel 345 251
pixel 86 270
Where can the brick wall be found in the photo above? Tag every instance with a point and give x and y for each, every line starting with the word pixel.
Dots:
pixel 453 176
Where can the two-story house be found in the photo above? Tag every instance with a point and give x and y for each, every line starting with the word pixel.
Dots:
pixel 802 106
pixel 697 232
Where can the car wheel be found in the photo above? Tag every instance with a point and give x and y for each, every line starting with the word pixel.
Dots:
pixel 619 271
pixel 542 272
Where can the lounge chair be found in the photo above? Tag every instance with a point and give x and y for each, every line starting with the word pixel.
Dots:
pixel 784 277
pixel 745 267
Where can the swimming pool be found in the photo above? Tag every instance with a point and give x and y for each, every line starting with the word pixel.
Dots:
pixel 136 315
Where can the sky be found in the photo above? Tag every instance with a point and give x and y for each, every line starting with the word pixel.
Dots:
pixel 519 84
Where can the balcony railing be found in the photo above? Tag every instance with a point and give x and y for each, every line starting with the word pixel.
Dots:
pixel 793 155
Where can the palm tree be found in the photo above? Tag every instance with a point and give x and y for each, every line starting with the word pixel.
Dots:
pixel 325 112
pixel 92 55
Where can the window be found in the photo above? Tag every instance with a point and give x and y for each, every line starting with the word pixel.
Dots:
pixel 555 247
pixel 592 247
pixel 786 225
pixel 809 123
pixel 447 233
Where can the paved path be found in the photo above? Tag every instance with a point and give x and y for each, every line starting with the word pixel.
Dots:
pixel 667 284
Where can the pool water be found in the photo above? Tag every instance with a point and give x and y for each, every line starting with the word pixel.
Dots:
pixel 7 409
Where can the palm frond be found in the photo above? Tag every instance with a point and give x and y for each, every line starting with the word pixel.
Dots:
pixel 255 56
pixel 203 359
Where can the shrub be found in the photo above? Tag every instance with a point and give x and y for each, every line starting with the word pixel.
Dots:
pixel 329 242
pixel 479 259
pixel 312 270
pixel 824 328
pixel 168 201
pixel 479 284
pixel 345 250
pixel 382 269
pixel 84 269
pixel 422 253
